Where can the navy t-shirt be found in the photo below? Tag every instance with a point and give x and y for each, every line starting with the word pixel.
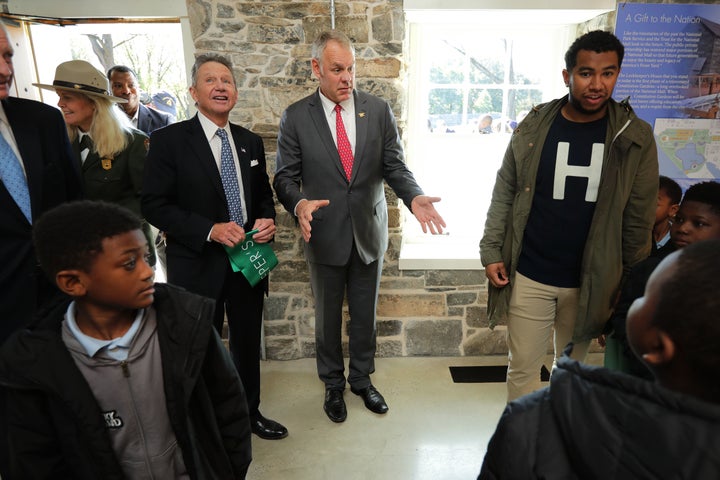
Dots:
pixel 566 189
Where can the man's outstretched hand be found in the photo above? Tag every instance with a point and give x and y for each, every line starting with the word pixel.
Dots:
pixel 424 210
pixel 304 211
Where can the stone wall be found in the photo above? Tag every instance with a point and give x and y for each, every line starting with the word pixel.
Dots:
pixel 420 312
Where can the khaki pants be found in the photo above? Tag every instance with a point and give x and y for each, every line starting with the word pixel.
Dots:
pixel 538 312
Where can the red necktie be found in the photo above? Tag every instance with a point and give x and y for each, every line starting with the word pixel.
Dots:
pixel 343 144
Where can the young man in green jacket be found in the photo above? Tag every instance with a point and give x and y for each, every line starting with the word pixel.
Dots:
pixel 572 209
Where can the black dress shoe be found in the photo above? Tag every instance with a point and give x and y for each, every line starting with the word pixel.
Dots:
pixel 266 428
pixel 374 401
pixel 334 405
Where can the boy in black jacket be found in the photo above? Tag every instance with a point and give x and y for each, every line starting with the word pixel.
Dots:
pixel 127 380
pixel 593 423
pixel 697 219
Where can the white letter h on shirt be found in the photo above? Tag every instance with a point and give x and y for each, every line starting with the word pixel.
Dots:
pixel 591 172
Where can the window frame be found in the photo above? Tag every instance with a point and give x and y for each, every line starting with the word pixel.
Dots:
pixel 460 251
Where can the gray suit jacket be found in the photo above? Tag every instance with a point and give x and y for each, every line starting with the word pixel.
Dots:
pixel 308 167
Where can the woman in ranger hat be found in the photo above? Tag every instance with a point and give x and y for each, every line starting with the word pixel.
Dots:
pixel 109 151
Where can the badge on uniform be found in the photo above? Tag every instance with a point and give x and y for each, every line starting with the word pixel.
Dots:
pixel 106 163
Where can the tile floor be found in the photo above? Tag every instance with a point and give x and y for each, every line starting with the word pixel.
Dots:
pixel 435 429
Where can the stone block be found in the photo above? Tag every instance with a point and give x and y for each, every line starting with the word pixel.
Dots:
pixel 401 283
pixel 249 98
pixel 382 88
pixel 482 296
pixel 279 329
pixel 384 49
pixel 410 305
pixel 486 342
pixel 230 27
pixel 290 271
pixel 389 328
pixel 414 273
pixel 390 268
pixel 225 11
pixel 433 337
pixel 307 348
pixel 204 45
pixel 456 311
pixel 394 217
pixel 476 316
pixel 379 67
pixel 275 65
pixel 305 323
pixel 275 307
pixel 461 298
pixel 389 348
pixel 455 277
pixel 278 348
pixel 265 33
pixel 382 24
pixel 201 13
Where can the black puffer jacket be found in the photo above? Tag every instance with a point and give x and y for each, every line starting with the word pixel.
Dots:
pixel 592 423
pixel 56 429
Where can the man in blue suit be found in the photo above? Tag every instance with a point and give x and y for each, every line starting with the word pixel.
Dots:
pixel 124 84
pixel 37 136
pixel 35 143
pixel 335 149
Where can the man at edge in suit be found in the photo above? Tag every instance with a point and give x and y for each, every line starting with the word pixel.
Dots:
pixel 35 140
pixel 335 148
pixel 38 140
pixel 205 185
pixel 124 84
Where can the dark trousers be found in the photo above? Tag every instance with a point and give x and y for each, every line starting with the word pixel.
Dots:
pixel 243 305
pixel 329 284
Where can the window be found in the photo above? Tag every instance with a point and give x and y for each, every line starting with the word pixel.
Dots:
pixel 471 79
pixel 150 49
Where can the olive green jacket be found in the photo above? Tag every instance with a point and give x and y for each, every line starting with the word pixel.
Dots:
pixel 118 179
pixel 620 232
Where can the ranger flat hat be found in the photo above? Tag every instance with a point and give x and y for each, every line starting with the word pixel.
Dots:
pixel 80 76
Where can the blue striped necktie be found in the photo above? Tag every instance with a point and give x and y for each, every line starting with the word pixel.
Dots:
pixel 229 177
pixel 13 177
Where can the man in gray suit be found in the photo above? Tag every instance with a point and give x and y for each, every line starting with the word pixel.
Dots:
pixel 335 148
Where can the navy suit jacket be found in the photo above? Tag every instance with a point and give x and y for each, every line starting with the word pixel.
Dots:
pixel 183 196
pixel 150 120
pixel 53 178
pixel 308 167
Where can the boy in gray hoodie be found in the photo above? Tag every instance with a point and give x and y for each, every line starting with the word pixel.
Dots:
pixel 126 378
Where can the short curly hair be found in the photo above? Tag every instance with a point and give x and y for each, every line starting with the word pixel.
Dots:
pixel 688 306
pixel 70 236
pixel 597 41
pixel 705 192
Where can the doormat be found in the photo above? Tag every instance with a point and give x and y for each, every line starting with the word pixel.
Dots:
pixel 487 374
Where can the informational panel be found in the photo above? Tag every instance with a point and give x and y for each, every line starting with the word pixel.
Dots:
pixel 671 72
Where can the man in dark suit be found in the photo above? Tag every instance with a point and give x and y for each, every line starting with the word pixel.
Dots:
pixel 36 148
pixel 37 139
pixel 189 194
pixel 124 84
pixel 335 148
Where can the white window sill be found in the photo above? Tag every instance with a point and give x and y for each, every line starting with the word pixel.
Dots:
pixel 439 252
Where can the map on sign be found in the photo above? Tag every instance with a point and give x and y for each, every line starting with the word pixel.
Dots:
pixel 688 148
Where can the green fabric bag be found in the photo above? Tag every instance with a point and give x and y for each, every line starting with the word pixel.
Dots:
pixel 254 260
